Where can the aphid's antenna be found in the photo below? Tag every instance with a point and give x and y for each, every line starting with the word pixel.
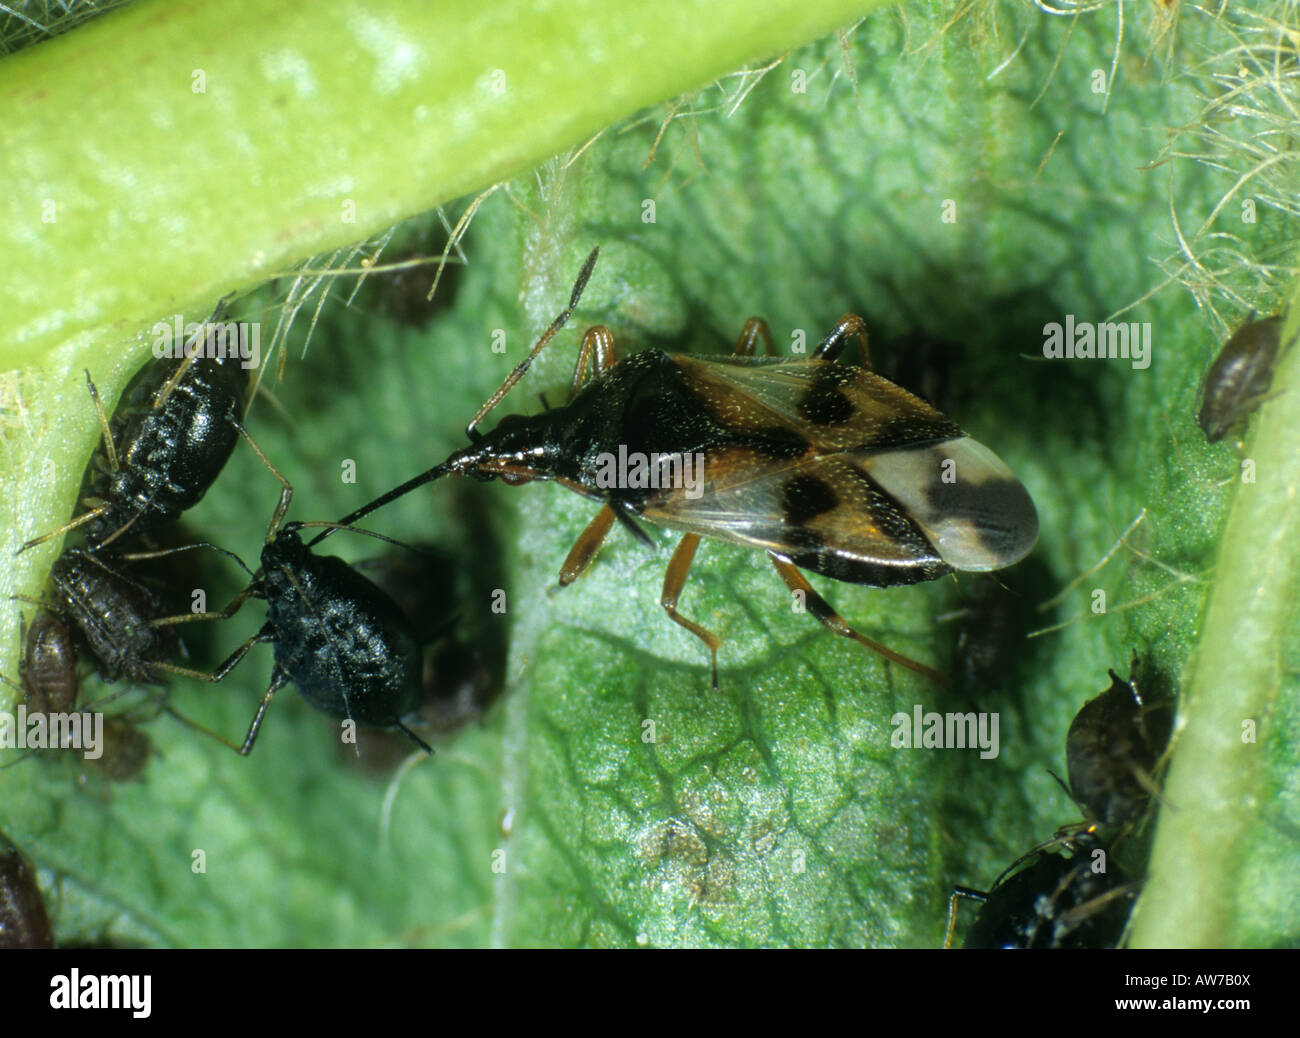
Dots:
pixel 379 502
pixel 471 430
pixel 138 556
pixel 339 526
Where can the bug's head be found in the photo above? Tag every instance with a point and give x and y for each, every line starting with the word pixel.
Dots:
pixel 521 448
pixel 284 551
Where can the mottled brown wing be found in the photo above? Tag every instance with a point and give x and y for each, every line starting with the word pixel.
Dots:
pixel 836 407
pixel 822 511
pixel 846 474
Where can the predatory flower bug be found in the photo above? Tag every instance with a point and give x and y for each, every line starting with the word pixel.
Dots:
pixel 824 466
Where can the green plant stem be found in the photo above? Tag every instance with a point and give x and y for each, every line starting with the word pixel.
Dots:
pixel 1213 791
pixel 318 124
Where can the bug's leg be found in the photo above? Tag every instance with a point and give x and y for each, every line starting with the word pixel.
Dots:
pixel 286 488
pixel 230 610
pixel 833 345
pixel 597 343
pixel 81 520
pixel 110 448
pixel 264 635
pixel 584 548
pixel 966 892
pixel 755 328
pixel 674 580
pixel 278 680
pixel 832 621
pixel 471 430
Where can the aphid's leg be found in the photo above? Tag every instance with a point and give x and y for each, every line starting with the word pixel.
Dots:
pixel 597 342
pixel 471 430
pixel 1072 918
pixel 674 580
pixel 286 488
pixel 232 661
pixel 968 893
pixel 199 728
pixel 278 680
pixel 832 621
pixel 230 610
pixel 584 548
pixel 833 345
pixel 109 447
pixel 119 531
pixel 755 328
pixel 81 520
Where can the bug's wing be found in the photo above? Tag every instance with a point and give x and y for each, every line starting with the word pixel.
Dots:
pixel 824 513
pixel 864 480
pixel 834 407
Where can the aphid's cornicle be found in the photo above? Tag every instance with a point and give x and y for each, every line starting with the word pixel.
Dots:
pixel 823 466
pixel 448 601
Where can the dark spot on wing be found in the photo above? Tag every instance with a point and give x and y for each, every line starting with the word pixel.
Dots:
pixel 824 403
pixel 998 511
pixel 907 430
pixel 806 497
pixel 776 442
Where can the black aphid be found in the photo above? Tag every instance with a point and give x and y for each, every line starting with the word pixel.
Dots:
pixel 169 438
pixel 24 922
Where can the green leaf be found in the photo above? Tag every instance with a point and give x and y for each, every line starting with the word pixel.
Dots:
pixel 774 812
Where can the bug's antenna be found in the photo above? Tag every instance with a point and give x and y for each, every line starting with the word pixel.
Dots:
pixel 471 430
pixel 368 533
pixel 379 502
